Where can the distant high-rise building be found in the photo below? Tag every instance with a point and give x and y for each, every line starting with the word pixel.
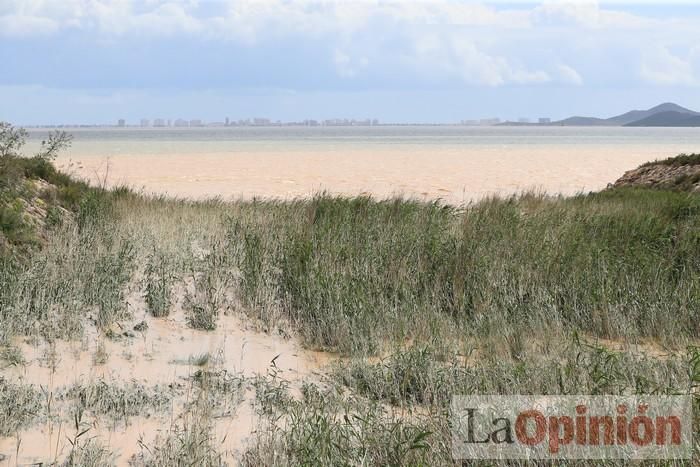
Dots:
pixel 545 120
pixel 159 122
pixel 261 121
pixel 121 122
pixel 181 123
pixel 523 120
pixel 489 121
pixel 227 122
pixel 196 122
pixel 145 122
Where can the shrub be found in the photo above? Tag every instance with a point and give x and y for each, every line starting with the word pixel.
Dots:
pixel 159 280
pixel 19 406
pixel 679 160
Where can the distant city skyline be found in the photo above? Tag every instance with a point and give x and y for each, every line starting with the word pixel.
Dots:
pixel 663 114
pixel 255 121
pixel 259 121
pixel 439 61
pixel 196 122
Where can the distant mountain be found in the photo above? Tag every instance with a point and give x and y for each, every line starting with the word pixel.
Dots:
pixel 583 121
pixel 667 114
pixel 637 115
pixel 680 119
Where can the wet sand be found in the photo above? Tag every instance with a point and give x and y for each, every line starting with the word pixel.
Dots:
pixel 162 355
pixel 452 173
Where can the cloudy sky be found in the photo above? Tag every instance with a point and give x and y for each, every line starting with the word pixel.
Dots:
pixel 93 61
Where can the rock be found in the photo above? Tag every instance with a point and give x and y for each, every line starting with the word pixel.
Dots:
pixel 665 175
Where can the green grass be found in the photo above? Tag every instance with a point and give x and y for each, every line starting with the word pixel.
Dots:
pixel 420 376
pixel 12 356
pixel 20 405
pixel 191 440
pixel 220 391
pixel 17 175
pixel 686 182
pixel 159 282
pixel 676 161
pixel 118 402
pixel 191 444
pixel 90 454
pixel 79 277
pixel 328 427
pixel 359 276
pixel 320 430
pixel 199 360
pixel 354 274
pixel 467 300
pixel 211 280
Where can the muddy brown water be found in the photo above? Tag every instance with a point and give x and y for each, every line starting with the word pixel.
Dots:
pixel 162 354
pixel 454 174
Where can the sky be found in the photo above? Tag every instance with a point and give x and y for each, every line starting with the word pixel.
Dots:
pixel 95 61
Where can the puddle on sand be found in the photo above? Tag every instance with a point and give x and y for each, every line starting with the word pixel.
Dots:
pixel 48 444
pixel 161 354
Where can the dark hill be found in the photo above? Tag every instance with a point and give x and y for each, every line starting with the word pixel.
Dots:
pixel 670 115
pixel 669 119
pixel 583 121
pixel 636 115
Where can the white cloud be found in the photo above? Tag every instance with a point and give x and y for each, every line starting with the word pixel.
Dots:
pixel 255 19
pixel 586 14
pixel 486 43
pixel 569 75
pixel 248 18
pixel 659 66
pixel 347 66
pixel 455 55
pixel 112 17
pixel 24 25
pixel 448 13
pixel 477 67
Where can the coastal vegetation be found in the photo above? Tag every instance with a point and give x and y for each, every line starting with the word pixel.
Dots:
pixel 679 160
pixel 413 302
pixel 680 173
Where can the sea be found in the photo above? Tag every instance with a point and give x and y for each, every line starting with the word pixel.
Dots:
pixel 455 164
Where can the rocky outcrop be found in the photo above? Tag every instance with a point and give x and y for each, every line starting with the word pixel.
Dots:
pixel 681 173
pixel 28 210
pixel 40 213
